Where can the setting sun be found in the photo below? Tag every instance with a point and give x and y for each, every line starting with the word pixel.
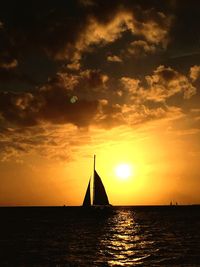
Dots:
pixel 122 83
pixel 123 171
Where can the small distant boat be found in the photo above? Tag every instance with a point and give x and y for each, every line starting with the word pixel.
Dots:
pixel 172 204
pixel 99 197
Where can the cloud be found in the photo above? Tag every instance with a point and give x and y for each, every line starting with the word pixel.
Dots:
pixel 30 120
pixel 60 142
pixel 161 85
pixel 140 48
pixel 92 79
pixel 18 108
pixel 10 64
pixel 114 58
pixel 70 37
pixel 7 51
pixel 166 82
pixel 137 114
pixel 148 24
pixel 87 84
pixel 195 73
pixel 51 103
pixel 154 27
pixel 97 101
pixel 109 115
pixel 51 29
pixel 148 100
pixel 130 84
pixel 56 107
pixel 49 141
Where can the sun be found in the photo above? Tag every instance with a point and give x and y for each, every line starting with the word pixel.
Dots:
pixel 123 171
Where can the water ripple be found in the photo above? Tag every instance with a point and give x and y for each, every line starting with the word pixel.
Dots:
pixel 127 237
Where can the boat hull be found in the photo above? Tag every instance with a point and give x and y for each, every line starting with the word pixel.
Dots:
pixel 99 209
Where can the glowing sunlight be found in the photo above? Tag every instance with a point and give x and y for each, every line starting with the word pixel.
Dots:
pixel 123 171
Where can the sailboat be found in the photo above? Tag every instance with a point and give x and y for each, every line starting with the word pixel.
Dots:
pixel 99 196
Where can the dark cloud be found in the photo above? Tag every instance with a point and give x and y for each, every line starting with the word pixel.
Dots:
pixel 140 48
pixel 9 64
pixel 52 102
pixel 57 108
pixel 30 121
pixel 49 104
pixel 7 53
pixel 96 99
pixel 62 36
pixel 66 29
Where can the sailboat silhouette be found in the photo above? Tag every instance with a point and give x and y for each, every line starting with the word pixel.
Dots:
pixel 99 197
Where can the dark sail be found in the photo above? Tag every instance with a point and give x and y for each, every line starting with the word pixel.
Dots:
pixel 100 197
pixel 87 200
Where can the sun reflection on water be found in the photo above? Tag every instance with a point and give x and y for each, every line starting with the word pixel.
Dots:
pixel 124 242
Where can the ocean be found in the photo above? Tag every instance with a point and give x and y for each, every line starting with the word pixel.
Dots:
pixel 74 237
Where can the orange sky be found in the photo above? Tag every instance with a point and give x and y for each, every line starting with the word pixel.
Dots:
pixel 164 162
pixel 119 79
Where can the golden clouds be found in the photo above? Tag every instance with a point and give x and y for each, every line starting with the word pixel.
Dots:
pixel 140 48
pixel 77 47
pixel 9 64
pixel 58 36
pixel 154 27
pixel 151 25
pixel 100 102
pixel 114 58
pixel 166 82
pixel 137 103
pixel 195 72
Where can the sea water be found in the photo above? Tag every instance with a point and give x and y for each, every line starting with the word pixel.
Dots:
pixel 125 236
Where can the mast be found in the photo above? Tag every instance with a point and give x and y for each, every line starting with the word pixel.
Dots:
pixel 94 161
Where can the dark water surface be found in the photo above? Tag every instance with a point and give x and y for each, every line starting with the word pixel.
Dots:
pixel 128 236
